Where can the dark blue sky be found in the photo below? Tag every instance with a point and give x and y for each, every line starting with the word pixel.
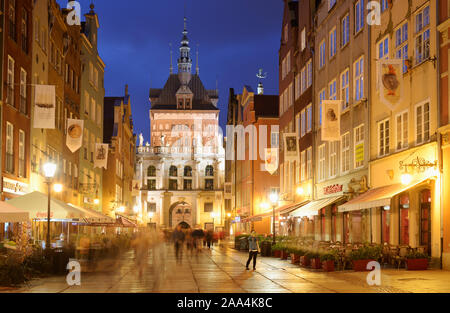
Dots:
pixel 235 38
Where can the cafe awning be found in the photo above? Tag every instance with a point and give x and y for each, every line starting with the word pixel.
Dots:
pixel 95 218
pixel 313 207
pixel 122 221
pixel 280 210
pixel 376 197
pixel 11 214
pixel 36 203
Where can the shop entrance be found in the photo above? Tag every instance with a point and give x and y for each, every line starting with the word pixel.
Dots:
pixel 425 220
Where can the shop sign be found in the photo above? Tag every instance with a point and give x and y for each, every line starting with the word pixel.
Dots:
pixel 14 186
pixel 359 152
pixel 328 190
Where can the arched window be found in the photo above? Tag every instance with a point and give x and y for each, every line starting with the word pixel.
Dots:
pixel 173 171
pixel 209 171
pixel 151 171
pixel 188 171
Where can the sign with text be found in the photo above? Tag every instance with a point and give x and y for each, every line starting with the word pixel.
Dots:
pixel 331 120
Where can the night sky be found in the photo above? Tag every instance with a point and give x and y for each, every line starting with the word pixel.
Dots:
pixel 235 38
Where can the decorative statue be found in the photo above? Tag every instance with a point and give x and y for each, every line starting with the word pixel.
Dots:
pixel 141 140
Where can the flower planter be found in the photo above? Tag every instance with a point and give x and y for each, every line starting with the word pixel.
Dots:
pixel 328 266
pixel 416 264
pixel 284 255
pixel 360 265
pixel 295 258
pixel 304 261
pixel 316 264
pixel 276 253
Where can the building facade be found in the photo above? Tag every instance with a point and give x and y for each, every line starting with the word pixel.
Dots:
pixel 181 171
pixel 92 93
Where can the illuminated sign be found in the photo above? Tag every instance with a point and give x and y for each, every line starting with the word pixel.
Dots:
pixel 14 186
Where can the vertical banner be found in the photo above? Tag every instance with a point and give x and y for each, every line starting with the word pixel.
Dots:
pixel 271 160
pixel 331 120
pixel 44 106
pixel 74 136
pixel 290 147
pixel 136 188
pixel 101 155
pixel 390 82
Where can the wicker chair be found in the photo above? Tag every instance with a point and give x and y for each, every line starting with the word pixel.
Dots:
pixel 385 254
pixel 401 257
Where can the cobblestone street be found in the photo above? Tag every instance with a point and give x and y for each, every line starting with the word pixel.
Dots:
pixel 222 270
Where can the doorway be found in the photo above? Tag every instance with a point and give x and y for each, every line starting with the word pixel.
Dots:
pixel 425 219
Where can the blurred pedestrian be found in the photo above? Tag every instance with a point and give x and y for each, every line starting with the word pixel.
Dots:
pixel 198 236
pixel 189 242
pixel 178 240
pixel 253 249
pixel 141 245
pixel 209 238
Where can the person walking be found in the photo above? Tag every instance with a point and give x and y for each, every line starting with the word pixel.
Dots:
pixel 198 236
pixel 141 246
pixel 253 249
pixel 209 238
pixel 178 239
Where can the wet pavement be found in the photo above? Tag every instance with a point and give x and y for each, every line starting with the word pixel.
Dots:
pixel 222 270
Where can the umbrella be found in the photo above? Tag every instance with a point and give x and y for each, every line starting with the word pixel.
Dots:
pixel 11 214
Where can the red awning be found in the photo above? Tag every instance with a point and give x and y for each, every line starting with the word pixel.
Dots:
pixel 280 210
pixel 125 222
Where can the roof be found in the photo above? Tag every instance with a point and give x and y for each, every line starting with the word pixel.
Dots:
pixel 266 105
pixel 165 98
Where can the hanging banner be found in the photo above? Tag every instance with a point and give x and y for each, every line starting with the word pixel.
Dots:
pixel 136 188
pixel 228 191
pixel 44 106
pixel 331 120
pixel 101 155
pixel 271 160
pixel 290 147
pixel 74 137
pixel 390 82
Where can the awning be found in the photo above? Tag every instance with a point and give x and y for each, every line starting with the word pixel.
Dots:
pixel 376 197
pixel 280 210
pixel 122 221
pixel 11 214
pixel 313 207
pixel 36 203
pixel 95 218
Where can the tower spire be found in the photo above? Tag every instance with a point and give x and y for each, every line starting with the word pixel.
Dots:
pixel 196 62
pixel 185 61
pixel 171 64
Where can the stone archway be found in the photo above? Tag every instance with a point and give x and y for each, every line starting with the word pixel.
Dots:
pixel 180 212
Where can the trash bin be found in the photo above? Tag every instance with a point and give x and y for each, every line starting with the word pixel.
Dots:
pixel 60 260
pixel 266 248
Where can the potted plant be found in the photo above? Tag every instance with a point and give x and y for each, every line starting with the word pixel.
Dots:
pixel 304 258
pixel 284 252
pixel 314 257
pixel 362 256
pixel 276 248
pixel 295 254
pixel 416 261
pixel 328 259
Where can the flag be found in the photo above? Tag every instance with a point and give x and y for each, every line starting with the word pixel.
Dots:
pixel 74 135
pixel 390 82
pixel 271 160
pixel 44 106
pixel 331 120
pixel 101 155
pixel 290 147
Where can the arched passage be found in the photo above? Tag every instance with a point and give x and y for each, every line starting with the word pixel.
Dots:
pixel 180 212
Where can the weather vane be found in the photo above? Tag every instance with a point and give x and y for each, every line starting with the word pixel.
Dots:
pixel 260 74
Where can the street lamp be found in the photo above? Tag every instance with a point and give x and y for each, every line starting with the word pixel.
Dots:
pixel 274 200
pixel 49 172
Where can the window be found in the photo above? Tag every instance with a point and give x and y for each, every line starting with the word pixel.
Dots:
pixel 303 73
pixel 321 98
pixel 383 138
pixel 404 219
pixel 422 123
pixel 383 48
pixel 423 35
pixel 9 147
pixel 187 184
pixel 303 39
pixel 118 194
pixel 303 165
pixel 286 33
pixel 384 5
pixel 290 95
pixel 12 19
pixel 22 169
pixel 321 162
pixel 331 4
pixel 401 44
pixel 93 108
pixel 309 118
pixel 208 207
pixel 188 171
pixel 359 79
pixel 345 94
pixel 281 104
pixel 24 31
pixel 209 184
pixel 402 130
pixel 96 78
pixel 345 30
pixel 209 170
pixel 173 185
pixel 309 163
pixel 274 137
pixel 173 171
pixel 151 171
pixel 288 63
pixel 309 74
pixel 332 90
pixel 359 16
pixel 359 146
pixel 303 122
pixel 23 91
pixel 333 158
pixel 322 54
pixel 332 37
pixel 10 81
pixel 297 86
pixel 345 152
